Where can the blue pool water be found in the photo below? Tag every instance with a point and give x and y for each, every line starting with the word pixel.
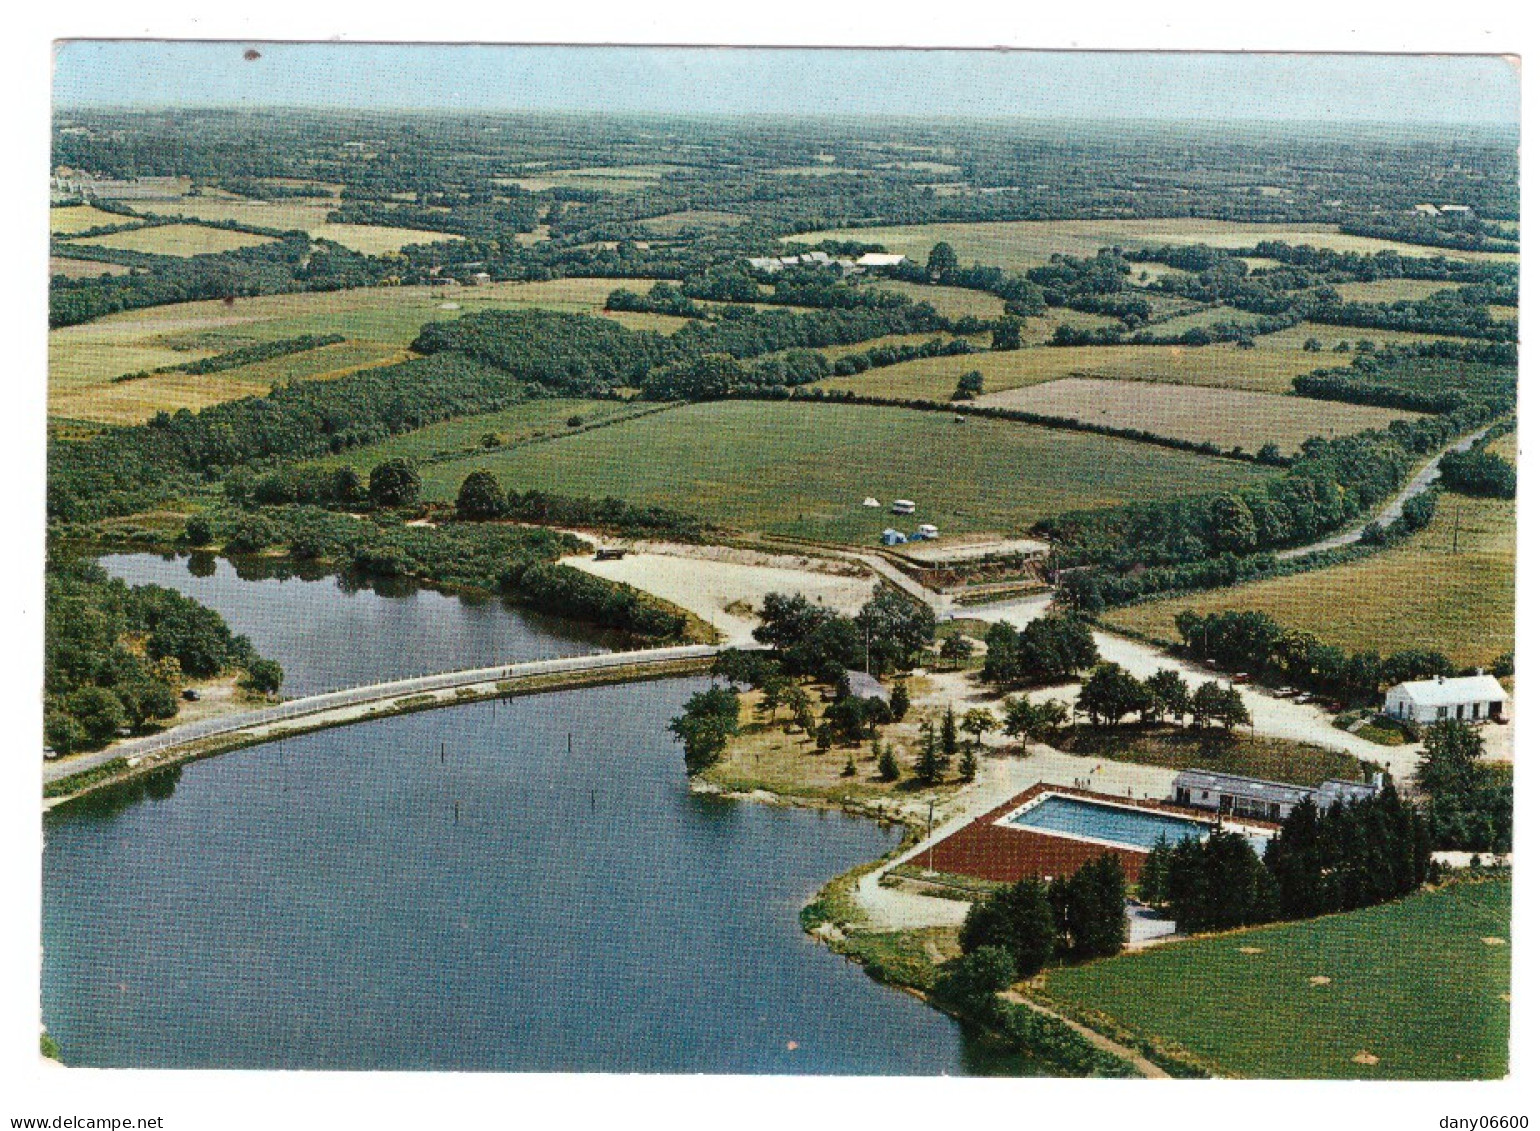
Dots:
pixel 1114 823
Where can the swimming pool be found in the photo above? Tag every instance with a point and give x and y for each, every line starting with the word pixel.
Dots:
pixel 1119 825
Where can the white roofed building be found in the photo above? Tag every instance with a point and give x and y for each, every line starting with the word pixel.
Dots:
pixel 880 259
pixel 1471 698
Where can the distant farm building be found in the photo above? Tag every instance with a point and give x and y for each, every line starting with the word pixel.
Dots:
pixel 1471 698
pixel 480 279
pixel 879 259
pixel 1231 794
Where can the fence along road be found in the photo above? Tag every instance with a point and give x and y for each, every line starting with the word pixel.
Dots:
pixel 368 693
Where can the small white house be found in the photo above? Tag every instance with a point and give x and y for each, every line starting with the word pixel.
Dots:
pixel 880 259
pixel 1470 698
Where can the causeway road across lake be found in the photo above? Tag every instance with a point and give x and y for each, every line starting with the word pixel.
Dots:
pixel 367 694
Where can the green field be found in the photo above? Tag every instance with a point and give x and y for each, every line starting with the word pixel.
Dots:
pixel 1019 244
pixel 1418 990
pixel 803 469
pixel 465 435
pixel 1420 594
pixel 83 360
pixel 953 302
pixel 179 240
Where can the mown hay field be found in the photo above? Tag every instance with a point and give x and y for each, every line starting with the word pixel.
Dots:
pixel 1415 990
pixel 136 400
pixel 69 219
pixel 83 360
pixel 308 215
pixel 1229 418
pixel 1391 290
pixel 1420 594
pixel 803 469
pixel 1018 244
pixel 179 240
pixel 288 215
pixel 83 268
pixel 1222 366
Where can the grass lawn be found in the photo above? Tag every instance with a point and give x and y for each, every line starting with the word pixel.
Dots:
pixel 1018 244
pixel 1227 417
pixel 803 469
pixel 1276 759
pixel 1420 986
pixel 1420 594
pixel 72 218
pixel 180 240
pixel 83 360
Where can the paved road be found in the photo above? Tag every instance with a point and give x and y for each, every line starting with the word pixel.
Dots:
pixel 1425 478
pixel 369 693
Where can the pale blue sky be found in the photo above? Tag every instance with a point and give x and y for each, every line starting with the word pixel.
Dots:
pixel 1437 90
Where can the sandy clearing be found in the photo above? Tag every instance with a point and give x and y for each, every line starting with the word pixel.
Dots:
pixel 708 587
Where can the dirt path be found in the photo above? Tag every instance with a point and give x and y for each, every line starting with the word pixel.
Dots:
pixel 1425 477
pixel 1142 1064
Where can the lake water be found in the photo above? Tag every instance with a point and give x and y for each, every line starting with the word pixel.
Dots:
pixel 329 634
pixel 354 899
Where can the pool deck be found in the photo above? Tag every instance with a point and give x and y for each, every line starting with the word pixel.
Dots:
pixel 992 850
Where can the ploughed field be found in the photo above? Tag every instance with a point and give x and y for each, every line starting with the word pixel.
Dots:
pixel 1423 593
pixel 1411 990
pixel 802 470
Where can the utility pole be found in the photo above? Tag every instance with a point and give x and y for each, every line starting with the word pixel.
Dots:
pixel 930 826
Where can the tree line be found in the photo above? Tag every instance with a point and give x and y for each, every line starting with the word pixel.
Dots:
pixel 115 656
